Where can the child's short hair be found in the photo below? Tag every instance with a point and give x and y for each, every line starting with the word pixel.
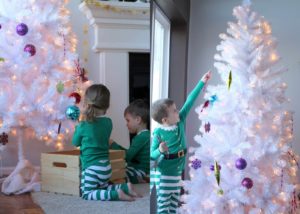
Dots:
pixel 97 97
pixel 159 109
pixel 138 108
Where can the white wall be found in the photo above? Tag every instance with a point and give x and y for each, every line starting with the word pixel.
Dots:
pixel 209 18
pixel 32 147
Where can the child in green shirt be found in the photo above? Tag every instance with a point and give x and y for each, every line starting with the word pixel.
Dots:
pixel 137 156
pixel 92 136
pixel 168 140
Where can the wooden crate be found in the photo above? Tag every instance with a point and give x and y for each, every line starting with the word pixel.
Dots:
pixel 60 171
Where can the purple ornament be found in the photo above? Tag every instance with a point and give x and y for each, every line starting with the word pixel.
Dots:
pixel 196 163
pixel 22 29
pixel 30 49
pixel 212 167
pixel 241 163
pixel 0 26
pixel 247 182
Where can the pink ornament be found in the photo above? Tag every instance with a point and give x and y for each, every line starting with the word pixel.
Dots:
pixel 247 182
pixel 205 105
pixel 30 49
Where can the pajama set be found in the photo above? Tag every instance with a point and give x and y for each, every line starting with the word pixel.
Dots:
pixel 166 176
pixel 137 156
pixel 93 138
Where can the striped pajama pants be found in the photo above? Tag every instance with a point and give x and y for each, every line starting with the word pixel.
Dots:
pixel 168 191
pixel 94 183
pixel 134 175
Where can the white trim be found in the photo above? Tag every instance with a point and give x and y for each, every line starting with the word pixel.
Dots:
pixel 9 169
pixel 159 60
pixel 168 128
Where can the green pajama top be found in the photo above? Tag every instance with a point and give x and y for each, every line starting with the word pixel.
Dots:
pixel 137 156
pixel 93 140
pixel 174 137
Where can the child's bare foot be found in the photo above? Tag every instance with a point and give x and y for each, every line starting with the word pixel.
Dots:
pixel 123 196
pixel 132 192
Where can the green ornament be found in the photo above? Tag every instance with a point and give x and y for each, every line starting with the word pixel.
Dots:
pixel 2 59
pixel 217 172
pixel 60 87
pixel 220 192
pixel 229 80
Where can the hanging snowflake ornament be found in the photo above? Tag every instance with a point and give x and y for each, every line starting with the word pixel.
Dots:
pixel 80 72
pixel 207 127
pixel 196 164
pixel 3 138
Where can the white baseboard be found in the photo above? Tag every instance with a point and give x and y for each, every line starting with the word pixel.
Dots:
pixel 8 169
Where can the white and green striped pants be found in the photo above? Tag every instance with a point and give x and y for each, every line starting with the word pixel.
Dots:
pixel 168 191
pixel 94 183
pixel 134 175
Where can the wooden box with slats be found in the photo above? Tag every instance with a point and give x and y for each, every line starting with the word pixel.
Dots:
pixel 60 171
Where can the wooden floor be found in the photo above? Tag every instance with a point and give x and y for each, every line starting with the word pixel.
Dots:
pixel 18 204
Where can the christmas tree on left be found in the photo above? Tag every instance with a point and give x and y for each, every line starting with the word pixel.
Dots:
pixel 41 81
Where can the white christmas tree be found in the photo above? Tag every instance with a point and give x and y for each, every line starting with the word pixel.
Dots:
pixel 244 163
pixel 40 78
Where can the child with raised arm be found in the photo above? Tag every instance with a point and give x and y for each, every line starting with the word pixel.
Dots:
pixel 169 140
pixel 92 135
pixel 138 154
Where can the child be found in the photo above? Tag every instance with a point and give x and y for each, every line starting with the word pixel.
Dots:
pixel 137 156
pixel 169 140
pixel 92 135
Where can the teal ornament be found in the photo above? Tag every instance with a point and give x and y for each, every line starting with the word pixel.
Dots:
pixel 60 87
pixel 213 99
pixel 73 113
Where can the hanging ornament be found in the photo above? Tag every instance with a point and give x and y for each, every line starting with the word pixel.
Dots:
pixel 196 163
pixel 0 26
pixel 205 105
pixel 241 163
pixel 80 72
pixel 76 96
pixel 30 49
pixel 213 99
pixel 22 29
pixel 217 172
pixel 247 182
pixel 73 112
pixel 207 127
pixel 60 87
pixel 2 59
pixel 59 127
pixel 229 80
pixel 212 167
pixel 217 169
pixel 3 138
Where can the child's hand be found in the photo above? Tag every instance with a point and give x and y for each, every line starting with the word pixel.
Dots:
pixel 206 77
pixel 163 147
pixel 111 141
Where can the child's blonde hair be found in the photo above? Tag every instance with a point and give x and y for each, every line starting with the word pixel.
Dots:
pixel 96 100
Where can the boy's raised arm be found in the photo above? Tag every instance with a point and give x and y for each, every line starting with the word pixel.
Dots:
pixel 193 96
